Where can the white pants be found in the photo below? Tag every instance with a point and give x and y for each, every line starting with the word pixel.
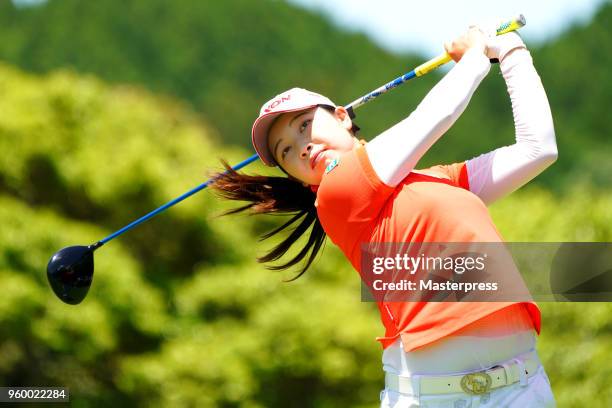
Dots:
pixel 536 394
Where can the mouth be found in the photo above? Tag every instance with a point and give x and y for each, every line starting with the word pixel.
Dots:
pixel 315 158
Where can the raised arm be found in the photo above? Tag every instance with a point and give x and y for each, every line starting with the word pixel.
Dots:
pixel 395 152
pixel 500 172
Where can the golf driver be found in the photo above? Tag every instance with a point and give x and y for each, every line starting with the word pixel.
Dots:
pixel 70 270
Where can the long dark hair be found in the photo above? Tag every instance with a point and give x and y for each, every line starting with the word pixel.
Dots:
pixel 276 196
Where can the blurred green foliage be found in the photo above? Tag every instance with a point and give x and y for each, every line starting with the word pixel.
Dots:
pixel 180 313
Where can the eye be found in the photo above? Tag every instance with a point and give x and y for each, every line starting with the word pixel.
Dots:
pixel 304 125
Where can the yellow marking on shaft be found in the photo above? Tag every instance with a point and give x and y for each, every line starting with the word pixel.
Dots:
pixel 432 64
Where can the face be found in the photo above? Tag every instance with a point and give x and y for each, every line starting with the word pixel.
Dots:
pixel 305 142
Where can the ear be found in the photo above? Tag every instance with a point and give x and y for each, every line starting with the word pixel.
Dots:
pixel 343 117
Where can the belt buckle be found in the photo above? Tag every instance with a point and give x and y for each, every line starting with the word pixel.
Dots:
pixel 476 383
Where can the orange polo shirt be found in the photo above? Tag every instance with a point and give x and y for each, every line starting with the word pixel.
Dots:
pixel 430 205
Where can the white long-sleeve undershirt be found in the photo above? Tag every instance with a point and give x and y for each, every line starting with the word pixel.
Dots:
pixel 498 173
pixel 395 152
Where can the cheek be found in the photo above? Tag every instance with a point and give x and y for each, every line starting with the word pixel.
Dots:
pixel 349 142
pixel 298 169
pixel 319 129
pixel 330 132
pixel 343 140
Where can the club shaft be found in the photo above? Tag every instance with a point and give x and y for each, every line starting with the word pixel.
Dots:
pixel 171 203
pixel 432 64
pixel 422 69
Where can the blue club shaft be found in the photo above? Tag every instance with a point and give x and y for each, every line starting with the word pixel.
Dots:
pixel 381 90
pixel 171 203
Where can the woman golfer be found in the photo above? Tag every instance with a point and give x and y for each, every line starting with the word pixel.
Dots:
pixel 436 354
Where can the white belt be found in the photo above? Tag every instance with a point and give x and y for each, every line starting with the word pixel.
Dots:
pixel 473 383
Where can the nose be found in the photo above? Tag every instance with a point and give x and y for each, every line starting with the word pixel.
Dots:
pixel 305 154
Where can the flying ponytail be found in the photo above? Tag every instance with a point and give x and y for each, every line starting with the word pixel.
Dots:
pixel 276 195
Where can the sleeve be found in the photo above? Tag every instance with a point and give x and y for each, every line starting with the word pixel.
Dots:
pixel 351 196
pixel 498 173
pixel 396 151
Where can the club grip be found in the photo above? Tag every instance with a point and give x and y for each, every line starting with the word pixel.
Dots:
pixel 511 25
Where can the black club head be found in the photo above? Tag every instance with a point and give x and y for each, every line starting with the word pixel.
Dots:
pixel 70 272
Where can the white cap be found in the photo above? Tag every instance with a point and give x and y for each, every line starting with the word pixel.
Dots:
pixel 295 99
